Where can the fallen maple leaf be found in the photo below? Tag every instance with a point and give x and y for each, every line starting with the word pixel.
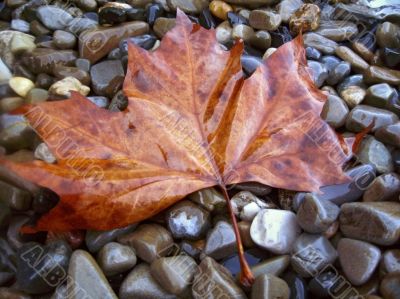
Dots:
pixel 192 122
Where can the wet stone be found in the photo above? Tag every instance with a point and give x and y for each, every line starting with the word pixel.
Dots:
pixel 43 153
pixel 224 32
pixel 385 187
pixel 20 25
pixel 9 293
pixel 44 81
pixel 64 40
pixel 389 287
pixel 320 73
pixel 287 7
pixel 275 230
pixel 358 270
pixel 253 257
pixel 335 111
pixel 188 6
pixel 338 73
pixel 377 74
pixel 389 134
pixel 379 95
pixel 306 18
pixel 34 259
pixel 37 95
pixel 9 104
pixel 322 285
pixel 214 281
pixel 361 116
pixel 174 274
pixel 163 25
pixel 390 261
pixel 350 56
pixel 264 19
pixel 150 241
pixel 337 30
pixel 22 43
pixel 188 221
pixel 107 77
pixel 375 222
pixel 53 17
pixel 221 241
pixel 220 9
pixel 246 205
pixel 153 12
pixel 375 153
pixel 95 44
pixel 87 278
pixel 275 266
pixel 387 35
pixel 311 253
pixel 320 43
pixel 113 13
pixel 297 285
pixel 21 85
pixel 250 63
pixel 313 53
pixel 391 57
pixel 63 88
pixel 256 188
pixel 115 258
pixel 353 95
pixel 139 283
pixel 316 215
pixel 269 286
pixel 236 19
pixel 280 36
pixel 5 73
pixel 206 19
pixel 95 240
pixel 136 14
pixel 353 80
pixel 99 101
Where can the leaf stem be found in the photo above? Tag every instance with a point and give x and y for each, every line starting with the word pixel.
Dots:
pixel 246 277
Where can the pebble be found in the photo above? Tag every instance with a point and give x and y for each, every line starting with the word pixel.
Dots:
pixel 264 19
pixel 356 62
pixel 139 283
pixel 22 43
pixel 389 287
pixel 375 153
pixel 41 268
pixel 315 215
pixel 221 241
pixel 361 116
pixel 320 43
pixel 220 9
pixel 353 95
pixel 162 26
pixel 269 286
pixel 390 262
pixel 335 111
pixel 53 17
pixel 20 25
pixel 9 293
pixel 250 63
pixel 63 87
pixel 150 241
pixel 306 18
pixel 377 74
pixel 206 19
pixel 107 77
pixel 379 95
pixel 311 253
pixel 312 53
pixel 188 221
pixel 287 7
pixel 95 240
pixel 389 134
pixel 64 40
pixel 82 24
pixel 256 188
pixel 244 32
pixel 297 285
pixel 319 71
pixel 11 103
pixel 43 60
pixel 245 199
pixel 261 40
pixel 188 6
pixel 214 281
pixel 21 85
pixel 253 257
pixel 375 222
pixel 338 31
pixel 387 35
pixel 42 152
pixel 274 266
pixel 113 13
pixel 235 19
pixel 86 278
pixel 95 44
pixel 36 95
pixel 244 230
pixel 115 258
pixel 5 73
pixel 61 72
pixel 99 101
pixel 209 198
pixel 174 274
pixel 275 230
pixel 223 32
pixel 385 187
pixel 360 269
pixel 339 72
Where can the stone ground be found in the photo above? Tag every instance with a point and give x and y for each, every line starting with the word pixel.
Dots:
pixel 345 241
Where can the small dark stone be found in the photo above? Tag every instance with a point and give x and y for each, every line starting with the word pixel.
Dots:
pixel 112 15
pixel 297 285
pixel 44 81
pixel 206 19
pixel 44 200
pixel 154 11
pixel 280 36
pixel 115 54
pixel 107 77
pixel 136 14
pixel 42 268
pixel 145 41
pixel 250 63
pixel 391 57
pixel 91 16
pixel 83 64
pixel 119 102
pixel 5 12
pixel 235 19
pixel 253 257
